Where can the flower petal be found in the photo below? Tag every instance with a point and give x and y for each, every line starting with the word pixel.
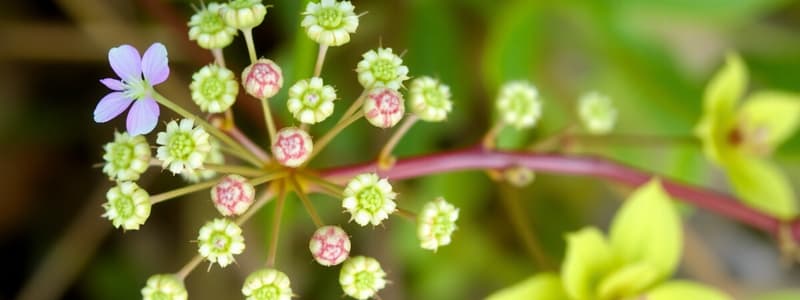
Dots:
pixel 111 106
pixel 113 84
pixel 143 116
pixel 126 62
pixel 155 64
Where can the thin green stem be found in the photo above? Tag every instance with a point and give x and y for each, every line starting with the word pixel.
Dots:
pixel 251 47
pixel 489 140
pixel 355 106
pixel 214 131
pixel 182 191
pixel 519 220
pixel 276 224
pixel 219 58
pixel 329 187
pixel 268 121
pixel 406 214
pixel 306 202
pixel 267 178
pixel 231 169
pixel 385 159
pixel 328 137
pixel 323 49
pixel 191 265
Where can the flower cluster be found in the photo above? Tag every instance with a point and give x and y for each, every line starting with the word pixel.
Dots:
pixel 199 147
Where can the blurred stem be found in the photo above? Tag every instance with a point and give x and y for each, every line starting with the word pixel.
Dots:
pixel 260 202
pixel 276 224
pixel 479 158
pixel 328 137
pixel 248 144
pixel 633 140
pixel 323 49
pixel 519 219
pixel 327 186
pixel 219 58
pixel 232 169
pixel 298 189
pixel 191 265
pixel 406 214
pixel 269 121
pixel 239 149
pixel 251 47
pixel 490 139
pixel 385 158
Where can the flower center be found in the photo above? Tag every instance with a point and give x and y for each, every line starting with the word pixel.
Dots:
pixel 121 155
pixel 213 88
pixel 520 103
pixel 311 98
pixel 442 225
pixel 181 145
pixel 239 4
pixel 330 17
pixel 211 22
pixel 434 97
pixel 124 206
pixel 159 295
pixel 383 70
pixel 267 292
pixel 220 241
pixel 370 198
pixel 137 88
pixel 364 280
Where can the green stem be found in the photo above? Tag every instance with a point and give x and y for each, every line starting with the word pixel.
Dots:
pixel 519 220
pixel 328 137
pixel 269 121
pixel 191 265
pixel 182 191
pixel 230 169
pixel 214 131
pixel 385 159
pixel 323 49
pixel 306 202
pixel 276 224
pixel 355 106
pixel 406 214
pixel 251 47
pixel 260 202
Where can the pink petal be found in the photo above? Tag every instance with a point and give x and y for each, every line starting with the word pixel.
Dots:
pixel 126 62
pixel 111 106
pixel 113 84
pixel 154 64
pixel 143 116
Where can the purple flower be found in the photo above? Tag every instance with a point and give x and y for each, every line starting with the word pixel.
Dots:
pixel 133 88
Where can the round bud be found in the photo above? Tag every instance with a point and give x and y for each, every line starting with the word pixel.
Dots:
pixel 362 277
pixel 219 240
pixel 330 245
pixel 292 146
pixel 267 284
pixel 384 107
pixel 233 195
pixel 164 287
pixel 262 79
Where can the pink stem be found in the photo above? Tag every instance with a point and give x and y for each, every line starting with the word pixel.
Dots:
pixel 477 158
pixel 248 144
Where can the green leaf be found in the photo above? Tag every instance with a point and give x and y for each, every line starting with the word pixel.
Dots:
pixel 719 103
pixel 542 287
pixel 629 281
pixel 762 185
pixel 772 116
pixel 648 230
pixel 685 290
pixel 588 260
pixel 726 87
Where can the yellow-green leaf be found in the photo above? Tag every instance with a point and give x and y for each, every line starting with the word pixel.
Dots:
pixel 543 287
pixel 588 260
pixel 726 87
pixel 762 185
pixel 627 282
pixel 780 295
pixel 648 230
pixel 770 117
pixel 673 290
pixel 719 106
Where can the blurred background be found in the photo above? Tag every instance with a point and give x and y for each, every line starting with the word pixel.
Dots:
pixel 651 57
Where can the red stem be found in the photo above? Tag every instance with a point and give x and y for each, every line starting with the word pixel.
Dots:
pixel 477 158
